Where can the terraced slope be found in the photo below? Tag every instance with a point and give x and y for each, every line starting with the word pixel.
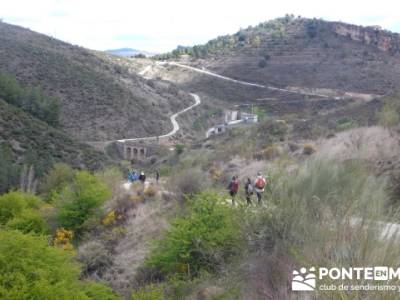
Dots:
pixel 306 53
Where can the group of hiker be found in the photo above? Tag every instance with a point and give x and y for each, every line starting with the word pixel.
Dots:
pixel 134 176
pixel 250 187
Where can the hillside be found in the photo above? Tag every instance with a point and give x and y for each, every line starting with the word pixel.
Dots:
pixel 32 141
pixel 304 53
pixel 100 99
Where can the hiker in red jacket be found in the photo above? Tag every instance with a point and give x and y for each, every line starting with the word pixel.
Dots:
pixel 233 188
pixel 259 186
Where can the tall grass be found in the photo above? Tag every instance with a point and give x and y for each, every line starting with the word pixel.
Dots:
pixel 328 214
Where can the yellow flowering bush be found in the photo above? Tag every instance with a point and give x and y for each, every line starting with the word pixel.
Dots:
pixel 63 238
pixel 110 218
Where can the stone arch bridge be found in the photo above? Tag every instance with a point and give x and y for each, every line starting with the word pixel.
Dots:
pixel 132 150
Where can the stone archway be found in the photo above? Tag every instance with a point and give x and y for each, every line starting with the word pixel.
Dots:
pixel 128 152
pixel 135 151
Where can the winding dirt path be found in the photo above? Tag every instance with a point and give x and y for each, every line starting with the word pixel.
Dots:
pixel 330 93
pixel 175 124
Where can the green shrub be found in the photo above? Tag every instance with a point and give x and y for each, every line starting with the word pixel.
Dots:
pixel 56 180
pixel 98 291
pixel 30 99
pixel 150 292
pixel 112 177
pixel 31 269
pixel 80 200
pixel 165 170
pixel 29 221
pixel 389 117
pixel 12 205
pixel 9 171
pixel 345 124
pixel 201 240
pixel 261 114
pixel 179 148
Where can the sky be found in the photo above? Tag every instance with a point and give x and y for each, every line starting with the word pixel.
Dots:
pixel 161 25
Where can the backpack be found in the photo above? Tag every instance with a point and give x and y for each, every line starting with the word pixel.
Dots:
pixel 249 188
pixel 260 183
pixel 234 186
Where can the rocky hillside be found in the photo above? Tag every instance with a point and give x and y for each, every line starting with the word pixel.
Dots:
pixel 34 142
pixel 304 53
pixel 100 99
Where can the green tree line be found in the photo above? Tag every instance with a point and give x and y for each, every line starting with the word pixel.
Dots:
pixel 249 36
pixel 30 99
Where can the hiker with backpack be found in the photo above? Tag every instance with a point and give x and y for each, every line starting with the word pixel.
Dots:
pixel 157 176
pixel 132 176
pixel 142 177
pixel 259 186
pixel 233 188
pixel 248 189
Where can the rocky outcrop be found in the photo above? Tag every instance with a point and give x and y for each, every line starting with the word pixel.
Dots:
pixel 371 35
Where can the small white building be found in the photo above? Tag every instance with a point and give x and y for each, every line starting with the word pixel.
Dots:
pixel 231 115
pixel 232 118
pixel 221 128
pixel 248 118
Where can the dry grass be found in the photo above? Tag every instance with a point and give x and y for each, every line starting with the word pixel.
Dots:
pixel 150 191
pixel 268 153
pixel 144 224
pixel 366 143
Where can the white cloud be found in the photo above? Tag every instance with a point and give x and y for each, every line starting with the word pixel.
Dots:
pixel 158 25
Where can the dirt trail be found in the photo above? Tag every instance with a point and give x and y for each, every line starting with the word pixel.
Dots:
pixel 175 124
pixel 315 92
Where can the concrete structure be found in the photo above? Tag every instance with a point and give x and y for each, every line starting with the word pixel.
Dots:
pixel 232 118
pixel 231 115
pixel 135 150
pixel 248 118
pixel 221 128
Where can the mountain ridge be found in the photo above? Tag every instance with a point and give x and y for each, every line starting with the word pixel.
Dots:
pixel 129 52
pixel 303 52
pixel 100 99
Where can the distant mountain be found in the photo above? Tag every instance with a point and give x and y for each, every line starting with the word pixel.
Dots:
pixel 126 52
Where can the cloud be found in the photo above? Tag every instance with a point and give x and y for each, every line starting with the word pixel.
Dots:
pixel 161 25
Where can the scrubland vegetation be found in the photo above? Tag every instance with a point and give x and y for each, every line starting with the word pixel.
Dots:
pixel 72 228
pixel 30 99
pixel 86 236
pixel 320 213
